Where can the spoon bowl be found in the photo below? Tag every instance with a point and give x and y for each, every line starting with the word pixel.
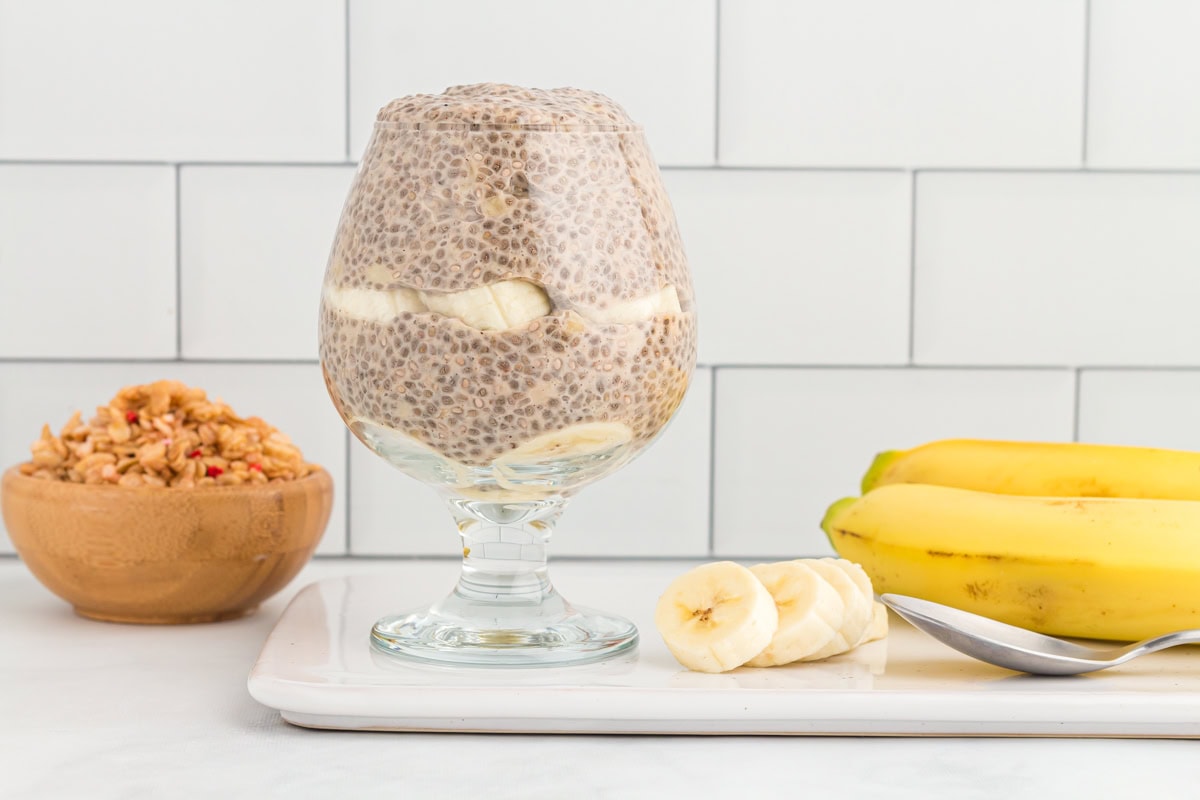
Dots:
pixel 1017 648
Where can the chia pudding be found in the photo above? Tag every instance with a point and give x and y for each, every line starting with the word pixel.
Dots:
pixel 507 309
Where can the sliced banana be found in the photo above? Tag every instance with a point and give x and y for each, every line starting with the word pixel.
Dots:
pixel 520 301
pixel 858 610
pixel 372 306
pixel 503 305
pixel 497 307
pixel 716 617
pixel 878 629
pixel 571 453
pixel 664 301
pixel 810 610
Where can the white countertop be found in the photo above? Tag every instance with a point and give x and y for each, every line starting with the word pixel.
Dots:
pixel 95 710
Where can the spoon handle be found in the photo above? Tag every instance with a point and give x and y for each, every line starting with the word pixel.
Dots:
pixel 1162 643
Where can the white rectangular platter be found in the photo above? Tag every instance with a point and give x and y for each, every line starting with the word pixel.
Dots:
pixel 319 670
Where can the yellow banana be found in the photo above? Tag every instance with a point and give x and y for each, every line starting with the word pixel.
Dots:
pixel 1103 568
pixel 1042 469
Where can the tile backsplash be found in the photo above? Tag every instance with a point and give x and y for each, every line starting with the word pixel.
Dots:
pixel 906 220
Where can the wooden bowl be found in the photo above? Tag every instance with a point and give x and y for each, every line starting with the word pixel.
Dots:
pixel 153 555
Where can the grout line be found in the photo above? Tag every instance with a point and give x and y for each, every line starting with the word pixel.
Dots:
pixel 93 162
pixel 456 558
pixel 281 362
pixel 85 162
pixel 1075 417
pixel 912 269
pixel 1055 170
pixel 346 25
pixel 739 168
pixel 965 169
pixel 812 367
pixel 346 494
pixel 1087 69
pixel 900 366
pixel 717 86
pixel 712 462
pixel 178 263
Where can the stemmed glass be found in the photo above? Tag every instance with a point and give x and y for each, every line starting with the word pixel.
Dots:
pixel 507 316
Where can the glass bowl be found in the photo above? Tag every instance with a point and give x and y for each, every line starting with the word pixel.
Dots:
pixel 507 316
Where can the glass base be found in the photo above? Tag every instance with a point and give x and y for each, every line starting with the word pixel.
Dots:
pixel 577 636
pixel 504 612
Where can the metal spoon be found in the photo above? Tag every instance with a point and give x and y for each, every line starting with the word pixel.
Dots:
pixel 1017 648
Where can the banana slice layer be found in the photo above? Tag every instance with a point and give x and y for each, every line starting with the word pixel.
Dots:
pixel 497 307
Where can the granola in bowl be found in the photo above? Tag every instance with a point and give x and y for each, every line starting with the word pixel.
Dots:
pixel 165 434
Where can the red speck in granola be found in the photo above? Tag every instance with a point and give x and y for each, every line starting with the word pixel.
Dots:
pixel 213 472
pixel 131 416
pixel 256 467
pixel 195 453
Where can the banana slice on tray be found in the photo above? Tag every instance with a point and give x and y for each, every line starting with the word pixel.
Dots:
pixel 879 624
pixel 716 617
pixel 811 612
pixel 712 618
pixel 857 598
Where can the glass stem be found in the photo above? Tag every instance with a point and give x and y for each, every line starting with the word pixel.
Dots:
pixel 504 551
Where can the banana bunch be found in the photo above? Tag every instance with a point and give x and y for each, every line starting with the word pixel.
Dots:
pixel 1069 539
pixel 721 616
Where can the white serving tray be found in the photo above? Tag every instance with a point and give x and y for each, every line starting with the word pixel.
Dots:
pixel 319 670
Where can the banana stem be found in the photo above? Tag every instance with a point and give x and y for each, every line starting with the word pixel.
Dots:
pixel 879 466
pixel 835 511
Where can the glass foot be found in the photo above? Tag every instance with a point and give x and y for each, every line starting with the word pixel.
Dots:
pixel 504 612
pixel 577 636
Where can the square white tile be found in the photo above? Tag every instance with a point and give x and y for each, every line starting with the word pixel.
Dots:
pixel 253 247
pixel 879 83
pixel 291 397
pixel 1140 407
pixel 797 267
pixel 87 261
pixel 656 506
pixel 657 58
pixel 1145 66
pixel 185 80
pixel 791 441
pixel 1057 269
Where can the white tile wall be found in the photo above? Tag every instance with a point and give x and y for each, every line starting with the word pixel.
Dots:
pixel 657 58
pixel 253 245
pixel 290 396
pixel 198 80
pixel 794 132
pixel 797 267
pixel 87 261
pixel 1145 67
pixel 1057 268
pixel 884 83
pixel 791 441
pixel 392 514
pixel 1136 407
pixel 657 506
